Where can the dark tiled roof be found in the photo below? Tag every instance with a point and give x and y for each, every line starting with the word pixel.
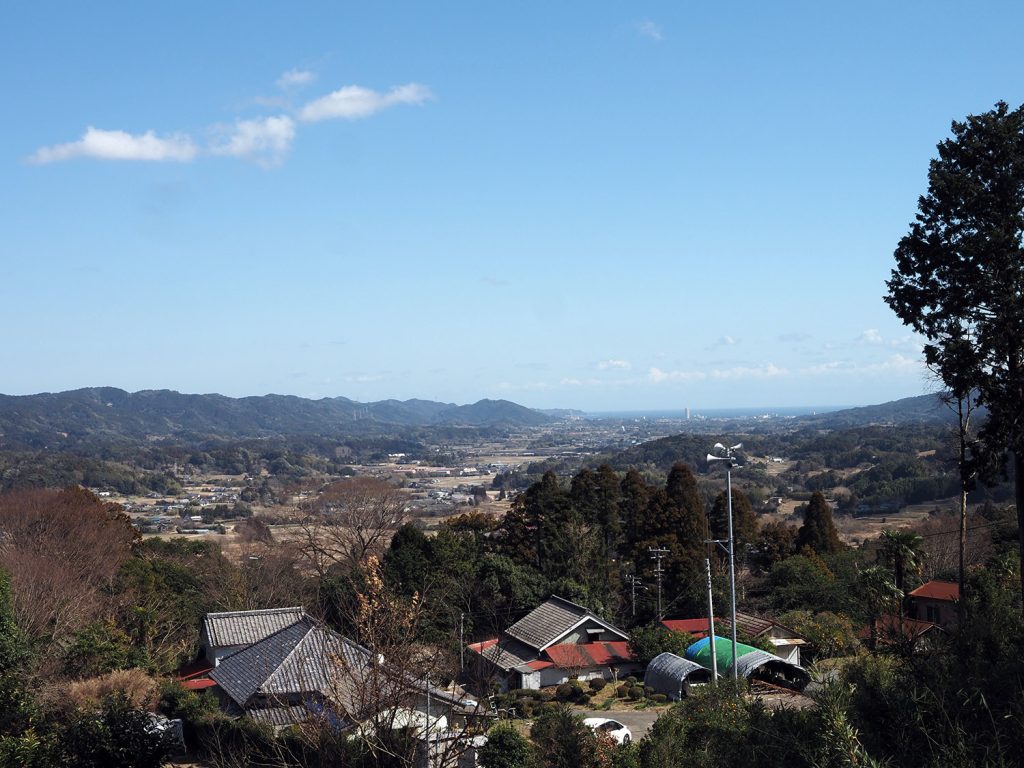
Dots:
pixel 248 627
pixel 550 620
pixel 299 659
pixel 509 653
pixel 281 716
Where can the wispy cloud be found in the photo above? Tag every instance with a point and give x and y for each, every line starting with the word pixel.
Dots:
pixel 722 341
pixel 766 371
pixel 622 365
pixel 895 363
pixel 295 78
pixel 353 102
pixel 648 28
pixel 120 145
pixel 658 376
pixel 265 140
pixel 870 336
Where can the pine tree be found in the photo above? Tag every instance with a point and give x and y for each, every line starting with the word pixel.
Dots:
pixel 818 532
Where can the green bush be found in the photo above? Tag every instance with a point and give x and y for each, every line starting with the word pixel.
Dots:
pixel 566 692
pixel 597 684
pixel 636 693
pixel 659 698
pixel 631 680
pixel 622 691
pixel 546 695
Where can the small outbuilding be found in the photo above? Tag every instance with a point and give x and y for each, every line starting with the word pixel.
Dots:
pixel 673 675
pixel 751 663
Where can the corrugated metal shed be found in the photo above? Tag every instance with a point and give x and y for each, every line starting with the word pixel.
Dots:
pixel 673 675
pixel 248 627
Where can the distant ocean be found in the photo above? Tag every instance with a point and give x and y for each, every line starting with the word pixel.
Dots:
pixel 720 413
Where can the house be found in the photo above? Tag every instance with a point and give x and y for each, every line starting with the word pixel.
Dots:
pixel 935 602
pixel 555 642
pixel 226 633
pixel 304 672
pixel 785 641
pixel 887 631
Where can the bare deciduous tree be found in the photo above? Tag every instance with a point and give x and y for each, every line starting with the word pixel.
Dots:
pixel 349 521
pixel 61 548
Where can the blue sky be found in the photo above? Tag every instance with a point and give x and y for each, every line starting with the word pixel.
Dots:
pixel 592 205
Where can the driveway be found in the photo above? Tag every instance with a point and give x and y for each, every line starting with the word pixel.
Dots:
pixel 639 721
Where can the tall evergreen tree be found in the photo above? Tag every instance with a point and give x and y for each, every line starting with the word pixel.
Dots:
pixel 958 279
pixel 818 532
pixel 674 520
pixel 635 496
pixel 744 521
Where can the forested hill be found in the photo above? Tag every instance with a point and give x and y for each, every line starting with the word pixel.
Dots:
pixel 923 409
pixel 109 414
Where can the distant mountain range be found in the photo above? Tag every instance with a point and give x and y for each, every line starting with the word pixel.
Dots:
pixel 106 413
pixel 922 409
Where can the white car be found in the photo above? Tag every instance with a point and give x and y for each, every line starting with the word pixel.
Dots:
pixel 618 732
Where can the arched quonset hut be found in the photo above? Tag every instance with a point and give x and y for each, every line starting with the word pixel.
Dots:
pixel 673 675
pixel 751 663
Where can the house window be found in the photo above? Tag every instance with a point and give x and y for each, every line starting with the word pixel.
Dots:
pixel 593 635
pixel 932 613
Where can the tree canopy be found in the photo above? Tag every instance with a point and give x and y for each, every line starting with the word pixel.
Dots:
pixel 959 276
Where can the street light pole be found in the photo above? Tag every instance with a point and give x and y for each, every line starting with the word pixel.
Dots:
pixel 729 460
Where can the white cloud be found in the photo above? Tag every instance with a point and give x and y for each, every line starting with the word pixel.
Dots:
pixel 622 365
pixel 766 371
pixel 120 145
pixel 657 376
pixel 871 336
pixel 294 78
pixel 266 140
pixel 648 28
pixel 895 363
pixel 353 102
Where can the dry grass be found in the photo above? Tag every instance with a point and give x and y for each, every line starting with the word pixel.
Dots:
pixel 135 685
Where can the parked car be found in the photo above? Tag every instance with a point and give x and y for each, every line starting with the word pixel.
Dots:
pixel 618 732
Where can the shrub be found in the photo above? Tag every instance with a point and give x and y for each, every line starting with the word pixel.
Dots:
pixel 622 691
pixel 631 680
pixel 636 693
pixel 566 692
pixel 597 684
pixel 659 698
pixel 546 695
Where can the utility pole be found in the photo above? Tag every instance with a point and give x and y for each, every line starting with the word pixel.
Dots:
pixel 730 462
pixel 634 582
pixel 658 554
pixel 711 625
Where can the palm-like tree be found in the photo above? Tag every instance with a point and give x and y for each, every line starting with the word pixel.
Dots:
pixel 904 550
pixel 880 596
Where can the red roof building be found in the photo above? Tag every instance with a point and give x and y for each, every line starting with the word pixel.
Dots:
pixel 936 601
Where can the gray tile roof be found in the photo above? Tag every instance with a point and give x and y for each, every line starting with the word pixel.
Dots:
pixel 508 654
pixel 298 660
pixel 248 627
pixel 550 620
